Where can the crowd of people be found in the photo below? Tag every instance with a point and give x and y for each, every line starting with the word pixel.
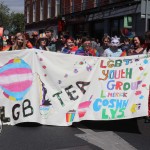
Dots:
pixel 83 45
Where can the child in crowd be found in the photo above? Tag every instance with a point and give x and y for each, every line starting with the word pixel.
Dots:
pixel 126 46
pixel 70 47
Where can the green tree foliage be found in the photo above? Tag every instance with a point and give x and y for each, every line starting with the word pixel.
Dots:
pixel 13 22
pixel 17 22
pixel 4 14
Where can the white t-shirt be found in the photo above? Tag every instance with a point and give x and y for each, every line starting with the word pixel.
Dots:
pixel 109 53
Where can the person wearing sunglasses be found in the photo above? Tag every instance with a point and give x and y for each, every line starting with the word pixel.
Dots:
pixel 86 48
pixel 42 44
pixel 20 42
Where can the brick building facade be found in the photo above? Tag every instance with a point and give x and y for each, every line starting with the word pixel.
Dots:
pixel 97 17
pixel 41 13
pixel 92 17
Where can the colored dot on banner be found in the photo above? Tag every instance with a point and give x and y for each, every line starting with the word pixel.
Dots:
pixel 81 63
pixel 59 81
pixel 66 75
pixel 141 68
pixel 89 68
pixel 45 75
pixel 143 85
pixel 41 59
pixel 145 61
pixel 138 78
pixel 137 59
pixel 44 67
pixel 75 71
pixel 138 92
pixel 141 97
pixel 145 74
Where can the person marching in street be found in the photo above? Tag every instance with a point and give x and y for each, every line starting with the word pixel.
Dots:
pixel 20 42
pixel 28 43
pixel 113 50
pixel 126 45
pixel 61 43
pixel 70 47
pixel 42 44
pixel 86 48
pixel 10 40
pixel 138 48
pixel 52 41
pixel 105 44
pixel 34 38
pixel 93 43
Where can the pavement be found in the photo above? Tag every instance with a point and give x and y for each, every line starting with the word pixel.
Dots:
pixel 127 134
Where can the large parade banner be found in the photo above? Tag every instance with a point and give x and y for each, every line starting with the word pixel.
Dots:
pixel 59 89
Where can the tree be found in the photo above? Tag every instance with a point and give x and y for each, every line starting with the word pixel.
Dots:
pixel 17 22
pixel 4 15
pixel 13 22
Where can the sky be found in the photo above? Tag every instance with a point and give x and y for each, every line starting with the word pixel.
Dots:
pixel 15 5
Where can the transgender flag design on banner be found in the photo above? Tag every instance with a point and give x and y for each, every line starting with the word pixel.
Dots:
pixel 15 79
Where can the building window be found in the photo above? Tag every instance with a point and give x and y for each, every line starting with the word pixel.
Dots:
pixel 57 8
pixel 49 14
pixel 28 13
pixel 34 11
pixel 96 3
pixel 71 6
pixel 41 9
pixel 84 3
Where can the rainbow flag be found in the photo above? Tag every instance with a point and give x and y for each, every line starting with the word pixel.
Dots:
pixel 124 53
pixel 6 48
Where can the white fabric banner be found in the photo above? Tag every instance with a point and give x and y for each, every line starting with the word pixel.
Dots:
pixel 59 89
